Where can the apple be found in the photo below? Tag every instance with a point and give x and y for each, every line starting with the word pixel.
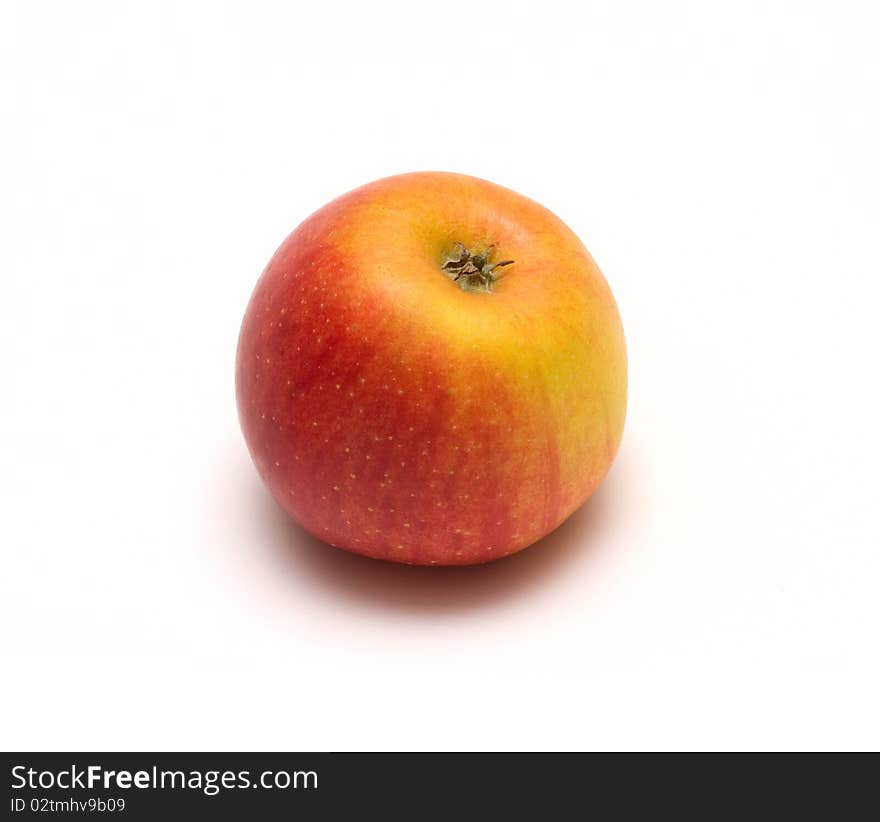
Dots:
pixel 432 370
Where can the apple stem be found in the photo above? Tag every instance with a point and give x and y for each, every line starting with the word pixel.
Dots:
pixel 474 272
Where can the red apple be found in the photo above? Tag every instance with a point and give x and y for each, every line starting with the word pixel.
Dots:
pixel 432 370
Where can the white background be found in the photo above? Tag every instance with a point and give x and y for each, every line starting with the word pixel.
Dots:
pixel 721 163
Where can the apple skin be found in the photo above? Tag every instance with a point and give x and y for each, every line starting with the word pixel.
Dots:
pixel 392 413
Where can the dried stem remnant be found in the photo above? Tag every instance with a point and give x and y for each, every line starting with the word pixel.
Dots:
pixel 474 271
